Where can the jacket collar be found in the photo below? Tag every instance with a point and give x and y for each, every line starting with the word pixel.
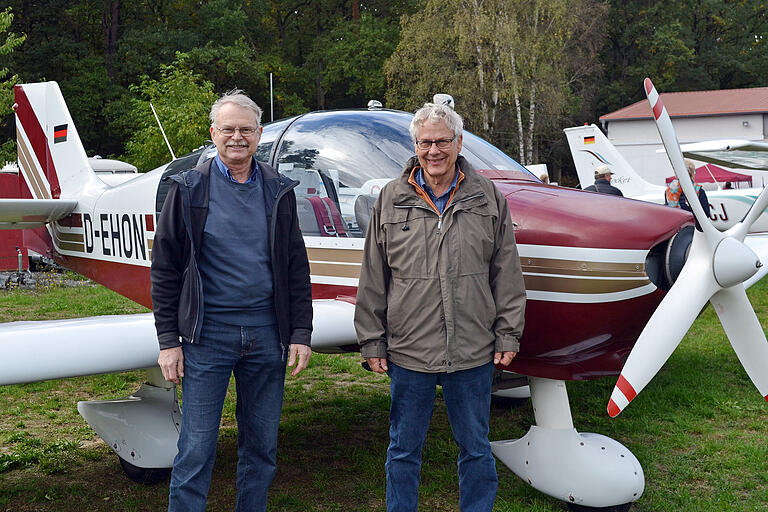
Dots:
pixel 404 193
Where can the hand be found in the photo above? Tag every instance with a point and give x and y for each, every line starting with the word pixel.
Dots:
pixel 303 351
pixel 503 358
pixel 171 361
pixel 377 364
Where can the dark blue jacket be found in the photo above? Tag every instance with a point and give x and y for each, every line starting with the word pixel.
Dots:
pixel 177 292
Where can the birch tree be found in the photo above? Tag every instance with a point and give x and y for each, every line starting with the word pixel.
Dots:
pixel 511 70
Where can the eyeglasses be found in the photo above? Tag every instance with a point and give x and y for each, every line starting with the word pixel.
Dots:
pixel 440 143
pixel 246 131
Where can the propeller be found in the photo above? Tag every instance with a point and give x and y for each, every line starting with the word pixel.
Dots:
pixel 717 266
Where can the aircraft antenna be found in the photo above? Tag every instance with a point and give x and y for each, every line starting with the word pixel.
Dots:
pixel 162 131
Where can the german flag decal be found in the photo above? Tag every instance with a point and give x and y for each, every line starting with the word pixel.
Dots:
pixel 589 140
pixel 60 133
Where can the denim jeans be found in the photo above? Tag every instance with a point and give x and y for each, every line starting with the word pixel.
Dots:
pixel 467 395
pixel 255 356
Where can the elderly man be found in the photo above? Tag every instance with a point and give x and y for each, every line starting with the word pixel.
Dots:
pixel 603 182
pixel 441 299
pixel 231 293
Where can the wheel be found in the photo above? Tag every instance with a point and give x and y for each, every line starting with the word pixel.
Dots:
pixel 614 508
pixel 146 476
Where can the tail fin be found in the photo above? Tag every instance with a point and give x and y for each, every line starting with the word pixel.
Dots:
pixel 52 159
pixel 590 148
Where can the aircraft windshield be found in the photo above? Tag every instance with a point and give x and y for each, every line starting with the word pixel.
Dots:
pixel 347 157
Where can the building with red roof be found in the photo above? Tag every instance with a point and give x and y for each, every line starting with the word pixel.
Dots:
pixel 697 116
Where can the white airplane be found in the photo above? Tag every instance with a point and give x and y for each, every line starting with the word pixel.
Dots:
pixel 585 266
pixel 590 148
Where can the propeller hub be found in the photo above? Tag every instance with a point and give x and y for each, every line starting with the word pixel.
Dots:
pixel 734 262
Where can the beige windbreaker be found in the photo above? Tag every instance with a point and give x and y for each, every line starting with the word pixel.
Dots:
pixel 440 293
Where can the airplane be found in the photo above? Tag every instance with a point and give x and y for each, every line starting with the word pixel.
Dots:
pixel 590 148
pixel 578 264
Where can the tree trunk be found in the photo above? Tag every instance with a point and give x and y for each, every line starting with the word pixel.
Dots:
pixel 110 24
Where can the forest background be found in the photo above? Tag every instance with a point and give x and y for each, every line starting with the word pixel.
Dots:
pixel 520 70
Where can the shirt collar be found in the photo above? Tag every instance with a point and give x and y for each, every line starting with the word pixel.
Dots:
pixel 419 177
pixel 228 174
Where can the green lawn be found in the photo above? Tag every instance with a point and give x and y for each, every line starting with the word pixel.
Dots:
pixel 698 429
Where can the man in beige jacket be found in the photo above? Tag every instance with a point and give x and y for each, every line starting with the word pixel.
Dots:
pixel 441 299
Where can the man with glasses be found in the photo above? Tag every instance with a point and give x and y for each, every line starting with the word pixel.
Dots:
pixel 440 300
pixel 231 294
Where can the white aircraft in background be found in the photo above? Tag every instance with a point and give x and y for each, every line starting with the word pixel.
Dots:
pixel 590 148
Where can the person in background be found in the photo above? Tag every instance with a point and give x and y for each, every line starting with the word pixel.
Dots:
pixel 603 182
pixel 674 196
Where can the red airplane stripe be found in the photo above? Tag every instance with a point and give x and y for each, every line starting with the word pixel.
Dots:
pixel 626 388
pixel 60 133
pixel 613 409
pixel 648 85
pixel 37 138
pixel 658 108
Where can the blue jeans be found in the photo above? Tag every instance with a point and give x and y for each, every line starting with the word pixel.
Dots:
pixel 467 395
pixel 255 356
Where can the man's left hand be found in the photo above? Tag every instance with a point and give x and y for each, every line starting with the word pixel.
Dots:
pixel 303 351
pixel 503 358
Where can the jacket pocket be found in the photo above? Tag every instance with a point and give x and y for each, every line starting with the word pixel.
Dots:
pixel 475 240
pixel 407 238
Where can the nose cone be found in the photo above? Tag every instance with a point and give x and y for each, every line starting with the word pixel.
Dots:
pixel 734 263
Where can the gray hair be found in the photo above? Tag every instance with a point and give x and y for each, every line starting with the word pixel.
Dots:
pixel 436 113
pixel 238 97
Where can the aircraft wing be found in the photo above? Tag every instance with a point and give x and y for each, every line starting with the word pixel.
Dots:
pixel 54 349
pixel 742 154
pixel 33 213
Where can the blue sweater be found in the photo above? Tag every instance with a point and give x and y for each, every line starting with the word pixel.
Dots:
pixel 234 257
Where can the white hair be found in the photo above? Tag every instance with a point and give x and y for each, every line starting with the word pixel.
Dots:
pixel 238 97
pixel 436 113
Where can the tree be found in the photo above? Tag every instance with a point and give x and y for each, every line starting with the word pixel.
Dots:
pixel 183 101
pixel 509 64
pixel 8 42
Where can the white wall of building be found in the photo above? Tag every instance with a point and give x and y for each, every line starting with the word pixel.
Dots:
pixel 638 141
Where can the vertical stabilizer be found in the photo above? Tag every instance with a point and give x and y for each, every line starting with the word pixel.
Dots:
pixel 52 159
pixel 590 148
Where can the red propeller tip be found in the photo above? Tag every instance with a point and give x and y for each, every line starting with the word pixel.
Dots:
pixel 613 409
pixel 648 85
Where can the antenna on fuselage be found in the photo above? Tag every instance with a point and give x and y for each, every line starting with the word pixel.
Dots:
pixel 162 131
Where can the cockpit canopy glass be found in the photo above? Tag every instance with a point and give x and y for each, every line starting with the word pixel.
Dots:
pixel 347 156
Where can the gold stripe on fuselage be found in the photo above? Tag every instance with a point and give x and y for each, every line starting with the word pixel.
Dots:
pixel 540 274
pixel 582 268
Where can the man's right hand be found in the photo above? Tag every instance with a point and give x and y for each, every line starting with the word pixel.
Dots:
pixel 377 364
pixel 171 361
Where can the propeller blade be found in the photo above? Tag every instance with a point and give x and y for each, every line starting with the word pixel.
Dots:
pixel 666 327
pixel 745 334
pixel 671 145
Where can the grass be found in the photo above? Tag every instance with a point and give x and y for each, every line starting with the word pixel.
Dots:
pixel 698 429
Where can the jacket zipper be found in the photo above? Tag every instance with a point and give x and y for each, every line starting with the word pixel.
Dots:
pixel 280 193
pixel 193 256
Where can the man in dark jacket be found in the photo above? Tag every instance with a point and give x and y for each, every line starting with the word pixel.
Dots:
pixel 603 182
pixel 231 293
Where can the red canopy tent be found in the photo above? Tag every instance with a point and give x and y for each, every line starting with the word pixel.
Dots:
pixel 710 173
